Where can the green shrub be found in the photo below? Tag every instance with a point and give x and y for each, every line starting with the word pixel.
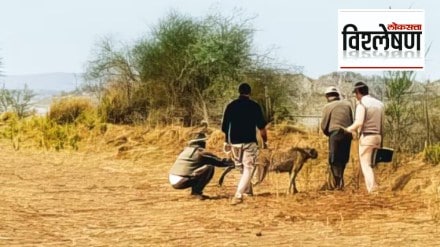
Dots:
pixel 68 110
pixel 432 154
pixel 37 131
pixel 11 128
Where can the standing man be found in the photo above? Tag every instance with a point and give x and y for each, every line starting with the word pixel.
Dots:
pixel 194 167
pixel 240 120
pixel 337 115
pixel 368 121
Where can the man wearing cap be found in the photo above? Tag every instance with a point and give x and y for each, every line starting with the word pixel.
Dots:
pixel 194 167
pixel 240 121
pixel 368 121
pixel 337 115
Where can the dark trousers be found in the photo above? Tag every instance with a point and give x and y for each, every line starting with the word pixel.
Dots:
pixel 339 154
pixel 197 183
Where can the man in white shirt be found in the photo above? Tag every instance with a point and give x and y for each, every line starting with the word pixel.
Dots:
pixel 368 122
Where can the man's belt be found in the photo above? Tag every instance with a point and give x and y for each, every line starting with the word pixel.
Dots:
pixel 369 133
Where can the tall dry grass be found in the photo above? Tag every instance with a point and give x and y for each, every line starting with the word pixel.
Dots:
pixel 68 110
pixel 432 154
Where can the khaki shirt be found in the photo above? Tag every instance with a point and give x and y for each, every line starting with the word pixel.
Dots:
pixel 336 114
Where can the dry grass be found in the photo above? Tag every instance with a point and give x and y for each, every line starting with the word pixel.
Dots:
pixel 69 109
pixel 106 195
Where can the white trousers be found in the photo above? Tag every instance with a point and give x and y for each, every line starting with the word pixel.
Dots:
pixel 366 145
pixel 249 155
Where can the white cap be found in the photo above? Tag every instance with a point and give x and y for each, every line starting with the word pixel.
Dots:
pixel 201 137
pixel 331 89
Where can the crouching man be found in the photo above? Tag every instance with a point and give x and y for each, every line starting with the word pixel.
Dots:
pixel 194 167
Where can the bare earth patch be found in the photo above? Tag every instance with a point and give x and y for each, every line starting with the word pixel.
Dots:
pixel 96 199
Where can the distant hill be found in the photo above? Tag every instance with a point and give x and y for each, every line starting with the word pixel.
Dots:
pixel 50 82
pixel 45 86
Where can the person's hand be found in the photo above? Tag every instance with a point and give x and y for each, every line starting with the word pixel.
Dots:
pixel 228 162
pixel 342 131
pixel 353 133
pixel 227 147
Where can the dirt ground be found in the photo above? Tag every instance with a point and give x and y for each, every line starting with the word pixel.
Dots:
pixel 91 198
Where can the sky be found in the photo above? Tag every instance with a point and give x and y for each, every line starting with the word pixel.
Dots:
pixel 46 36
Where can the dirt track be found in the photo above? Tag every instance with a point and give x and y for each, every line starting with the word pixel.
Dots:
pixel 94 199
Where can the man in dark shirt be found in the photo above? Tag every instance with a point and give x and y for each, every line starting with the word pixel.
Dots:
pixel 194 167
pixel 337 115
pixel 240 120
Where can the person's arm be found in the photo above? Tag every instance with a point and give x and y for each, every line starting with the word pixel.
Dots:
pixel 225 120
pixel 358 119
pixel 382 119
pixel 226 123
pixel 208 158
pixel 351 112
pixel 261 125
pixel 325 121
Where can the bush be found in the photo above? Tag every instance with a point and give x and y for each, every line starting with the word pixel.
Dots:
pixel 116 107
pixel 38 131
pixel 432 154
pixel 68 110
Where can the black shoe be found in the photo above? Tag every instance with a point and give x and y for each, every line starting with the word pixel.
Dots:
pixel 200 197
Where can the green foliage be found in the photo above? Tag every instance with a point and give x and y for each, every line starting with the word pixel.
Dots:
pixel 50 135
pixel 38 131
pixel 69 109
pixel 400 108
pixel 186 69
pixel 432 154
pixel 270 89
pixel 11 128
pixel 431 112
pixel 115 107
pixel 186 58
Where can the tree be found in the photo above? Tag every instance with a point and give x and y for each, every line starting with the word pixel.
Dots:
pixel 17 100
pixel 431 112
pixel 112 65
pixel 186 68
pixel 191 57
pixel 4 99
pixel 400 109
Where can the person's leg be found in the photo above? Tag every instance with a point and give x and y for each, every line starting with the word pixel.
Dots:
pixel 202 180
pixel 338 173
pixel 332 170
pixel 249 156
pixel 341 183
pixel 365 153
pixel 331 181
pixel 249 190
pixel 342 155
pixel 366 145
